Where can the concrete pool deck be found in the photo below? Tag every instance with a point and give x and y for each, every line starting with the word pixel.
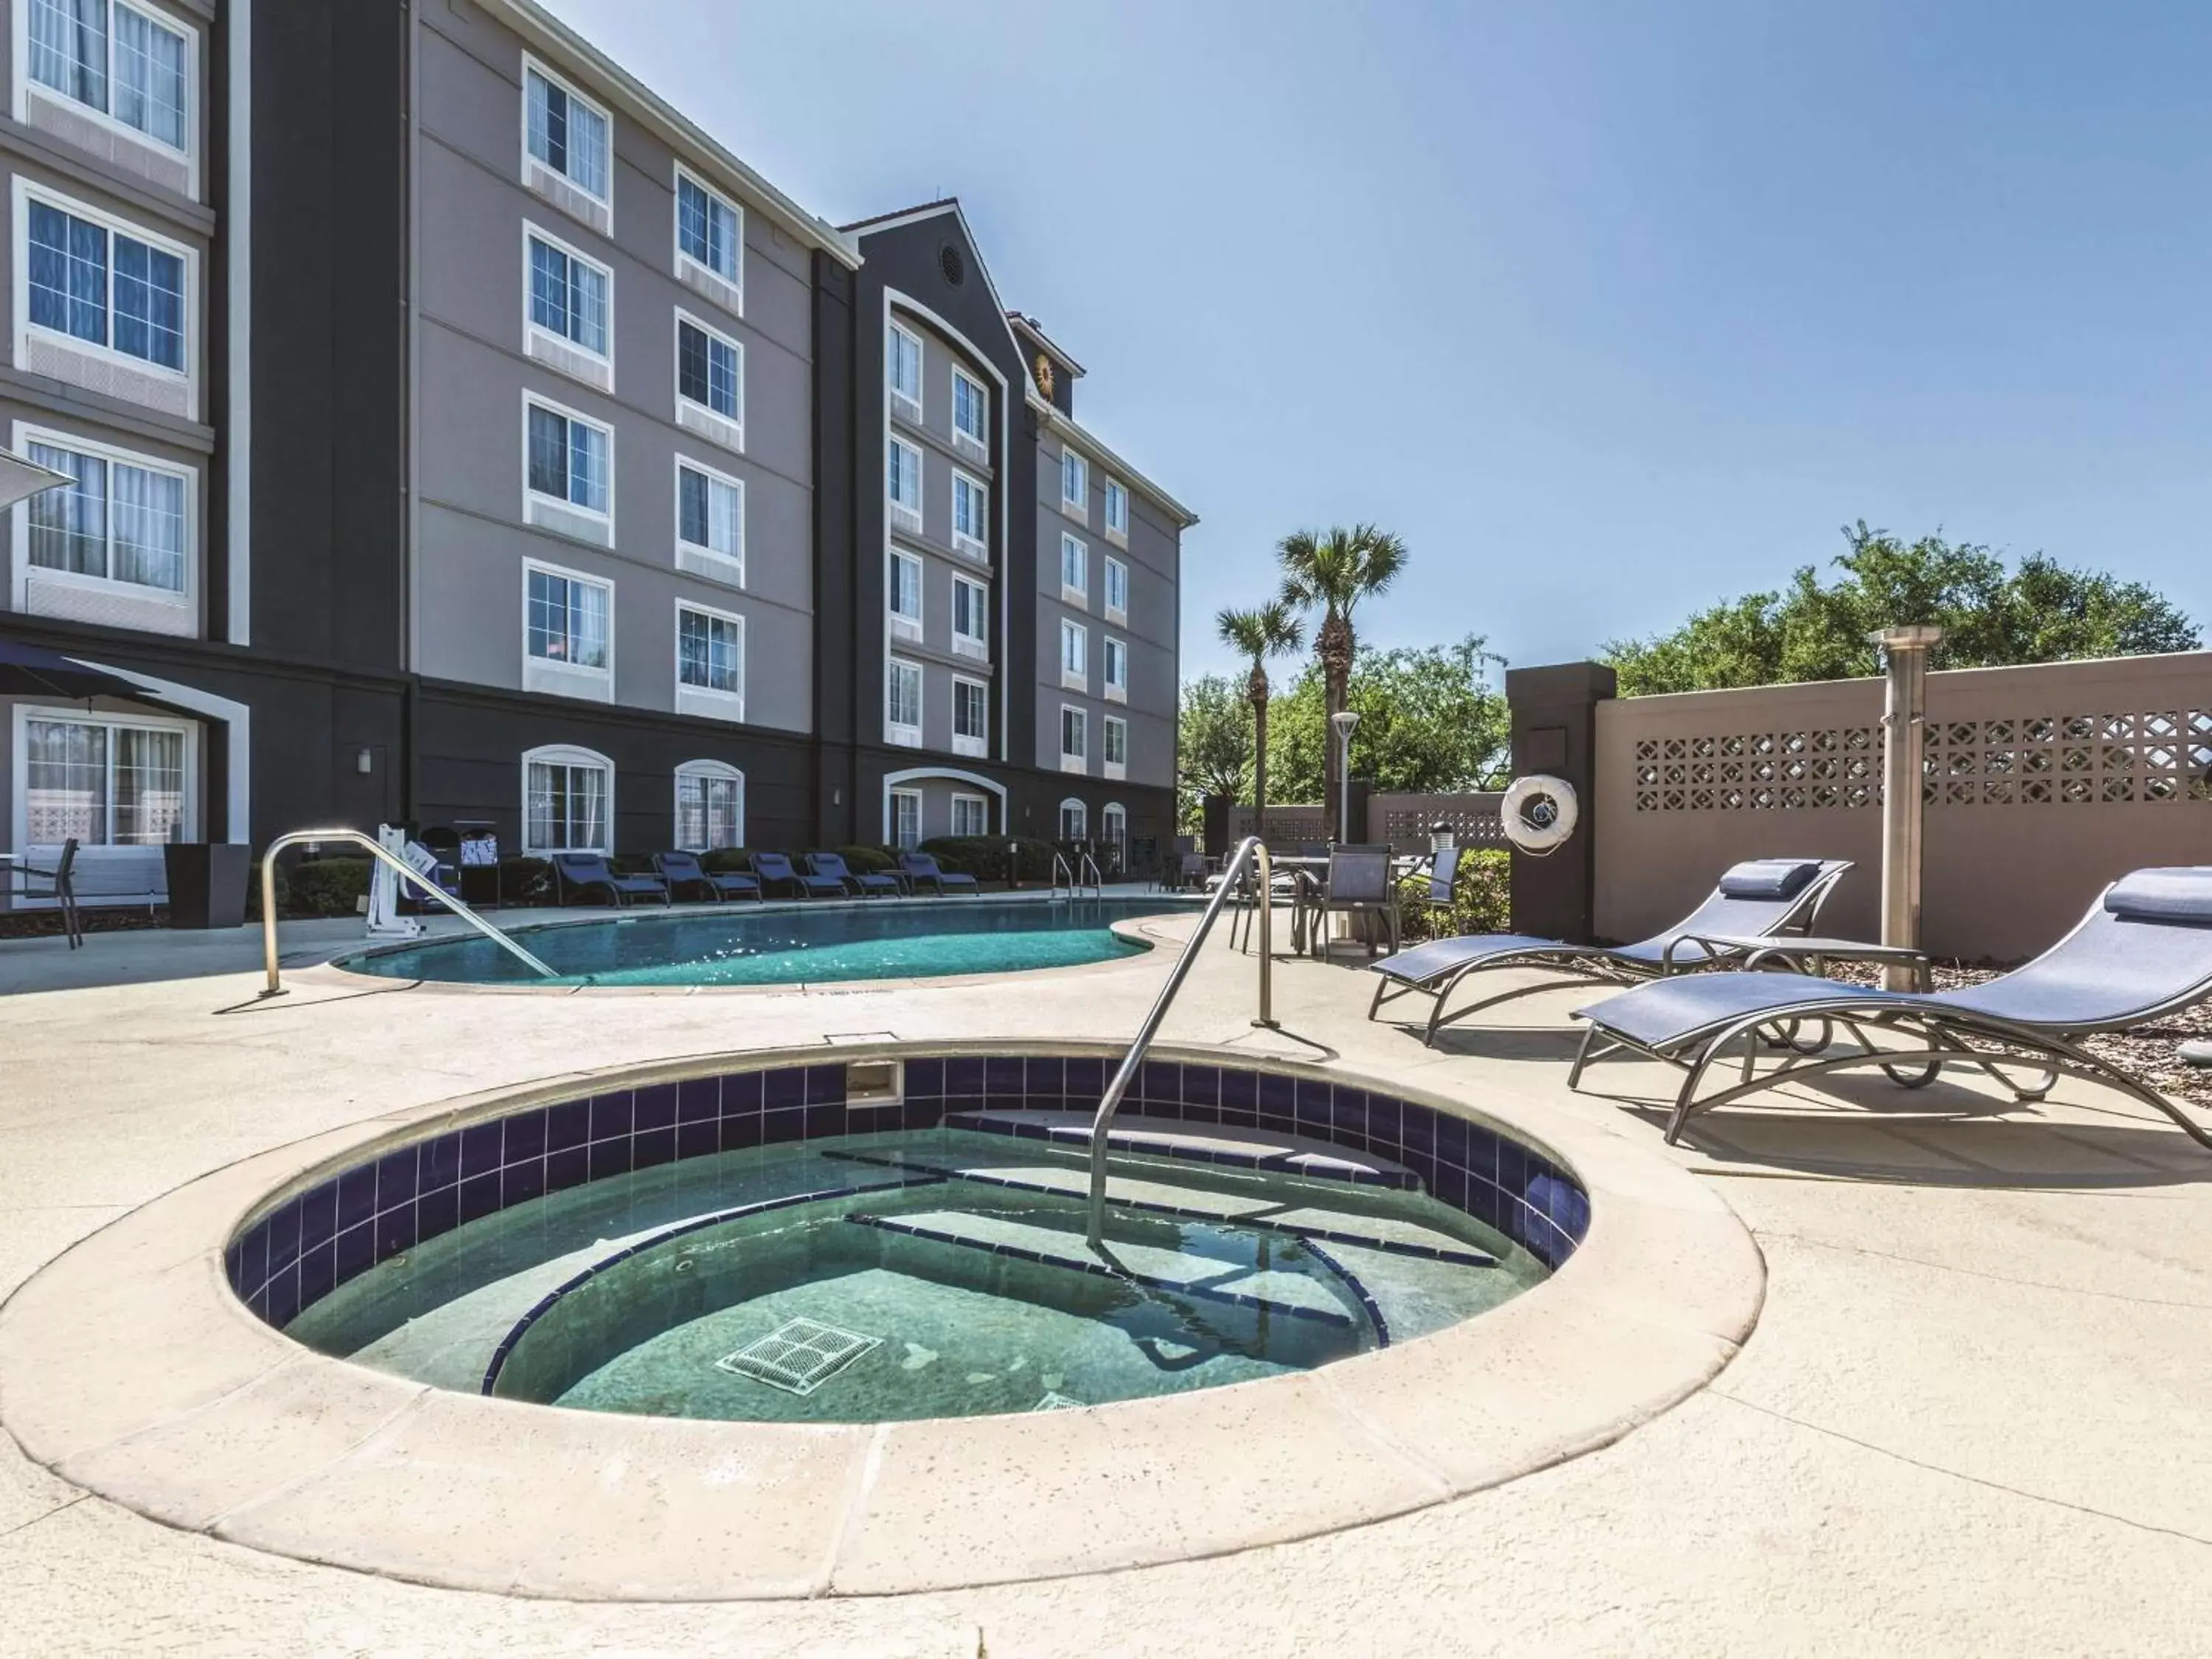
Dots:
pixel 1975 1415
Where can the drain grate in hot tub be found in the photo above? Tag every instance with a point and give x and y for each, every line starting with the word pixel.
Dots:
pixel 799 1356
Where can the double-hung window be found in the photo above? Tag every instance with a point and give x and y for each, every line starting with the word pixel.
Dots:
pixel 103 782
pixel 568 141
pixel 1117 670
pixel 906 819
pixel 98 284
pixel 971 619
pixel 710 382
pixel 122 60
pixel 902 372
pixel 565 619
pixel 971 414
pixel 971 519
pixel 710 237
pixel 903 595
pixel 1075 733
pixel 1116 756
pixel 1075 820
pixel 1075 484
pixel 568 801
pixel 710 805
pixel 569 470
pixel 1074 655
pixel 710 523
pixel 971 816
pixel 1074 570
pixel 570 300
pixel 1117 510
pixel 902 702
pixel 117 520
pixel 710 656
pixel 971 727
pixel 1114 835
pixel 1117 591
pixel 902 484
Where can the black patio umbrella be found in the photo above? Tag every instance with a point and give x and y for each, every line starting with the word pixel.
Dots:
pixel 33 671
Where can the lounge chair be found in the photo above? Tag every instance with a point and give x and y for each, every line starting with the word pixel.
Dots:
pixel 683 871
pixel 590 870
pixel 59 883
pixel 833 865
pixel 774 869
pixel 921 867
pixel 2143 952
pixel 1760 899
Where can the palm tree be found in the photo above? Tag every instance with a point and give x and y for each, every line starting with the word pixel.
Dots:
pixel 1335 571
pixel 1267 632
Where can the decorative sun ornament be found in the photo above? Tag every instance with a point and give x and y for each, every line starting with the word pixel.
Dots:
pixel 1044 373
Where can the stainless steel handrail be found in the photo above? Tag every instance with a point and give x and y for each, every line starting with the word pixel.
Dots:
pixel 1060 866
pixel 1251 847
pixel 377 850
pixel 1089 867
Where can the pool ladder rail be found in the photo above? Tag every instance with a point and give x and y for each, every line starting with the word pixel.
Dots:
pixel 1251 851
pixel 406 872
pixel 1084 873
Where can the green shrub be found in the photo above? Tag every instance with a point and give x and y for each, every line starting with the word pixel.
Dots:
pixel 727 862
pixel 254 892
pixel 984 857
pixel 327 887
pixel 524 880
pixel 1482 903
pixel 868 860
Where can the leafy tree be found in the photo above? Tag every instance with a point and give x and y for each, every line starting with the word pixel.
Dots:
pixel 1430 723
pixel 1332 571
pixel 1267 631
pixel 1214 748
pixel 2041 611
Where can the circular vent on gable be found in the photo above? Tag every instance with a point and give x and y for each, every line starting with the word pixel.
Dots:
pixel 954 267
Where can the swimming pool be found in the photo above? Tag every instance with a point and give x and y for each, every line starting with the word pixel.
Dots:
pixel 812 944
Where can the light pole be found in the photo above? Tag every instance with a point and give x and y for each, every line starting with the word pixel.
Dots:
pixel 1343 722
pixel 1904 651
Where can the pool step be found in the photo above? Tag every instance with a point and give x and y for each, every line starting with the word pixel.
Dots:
pixel 1291 1295
pixel 1221 1146
pixel 1389 1234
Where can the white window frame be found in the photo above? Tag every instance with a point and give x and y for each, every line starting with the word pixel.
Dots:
pixel 1077 678
pixel 1117 613
pixel 188 376
pixel 729 291
pixel 891 808
pixel 1077 593
pixel 901 624
pixel 972 744
pixel 709 700
pixel 975 444
pixel 718 771
pixel 704 418
pixel 971 645
pixel 1076 762
pixel 960 799
pixel 532 65
pixel 1117 526
pixel 25 434
pixel 907 409
pixel 976 547
pixel 1114 830
pixel 904 517
pixel 1078 506
pixel 566 754
pixel 535 336
pixel 552 674
pixel 701 561
pixel 1082 820
pixel 1116 690
pixel 906 736
pixel 533 500
pixel 195 76
pixel 1108 766
pixel 188 819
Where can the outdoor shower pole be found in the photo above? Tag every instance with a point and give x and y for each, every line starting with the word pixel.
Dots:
pixel 1904 652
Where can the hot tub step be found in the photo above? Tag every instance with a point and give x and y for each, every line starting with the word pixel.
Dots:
pixel 1224 1145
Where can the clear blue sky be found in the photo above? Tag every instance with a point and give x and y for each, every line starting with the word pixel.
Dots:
pixel 1609 308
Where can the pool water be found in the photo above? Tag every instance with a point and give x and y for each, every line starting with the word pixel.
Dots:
pixel 816 943
pixel 916 1274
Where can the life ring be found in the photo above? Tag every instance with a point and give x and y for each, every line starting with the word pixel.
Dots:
pixel 1539 814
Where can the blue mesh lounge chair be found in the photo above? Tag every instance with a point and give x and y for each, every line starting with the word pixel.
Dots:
pixel 923 868
pixel 2143 952
pixel 1763 898
pixel 684 873
pixel 590 870
pixel 774 869
pixel 834 865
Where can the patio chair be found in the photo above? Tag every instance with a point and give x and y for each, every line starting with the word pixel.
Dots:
pixel 683 871
pixel 834 865
pixel 1359 883
pixel 775 870
pixel 589 870
pixel 921 867
pixel 1762 899
pixel 59 883
pixel 2143 952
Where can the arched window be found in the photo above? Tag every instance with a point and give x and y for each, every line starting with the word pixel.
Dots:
pixel 710 805
pixel 567 801
pixel 1114 835
pixel 1074 819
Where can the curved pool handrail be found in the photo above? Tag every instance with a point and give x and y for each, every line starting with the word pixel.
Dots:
pixel 407 871
pixel 1250 848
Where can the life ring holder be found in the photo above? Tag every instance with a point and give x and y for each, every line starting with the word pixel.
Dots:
pixel 1539 814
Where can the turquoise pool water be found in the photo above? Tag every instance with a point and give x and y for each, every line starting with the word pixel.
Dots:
pixel 880 939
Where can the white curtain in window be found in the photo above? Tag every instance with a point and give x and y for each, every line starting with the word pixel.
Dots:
pixel 69 48
pixel 66 783
pixel 150 785
pixel 69 524
pixel 149 528
pixel 149 77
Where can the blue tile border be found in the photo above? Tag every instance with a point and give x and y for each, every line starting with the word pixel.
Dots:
pixel 321 1238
